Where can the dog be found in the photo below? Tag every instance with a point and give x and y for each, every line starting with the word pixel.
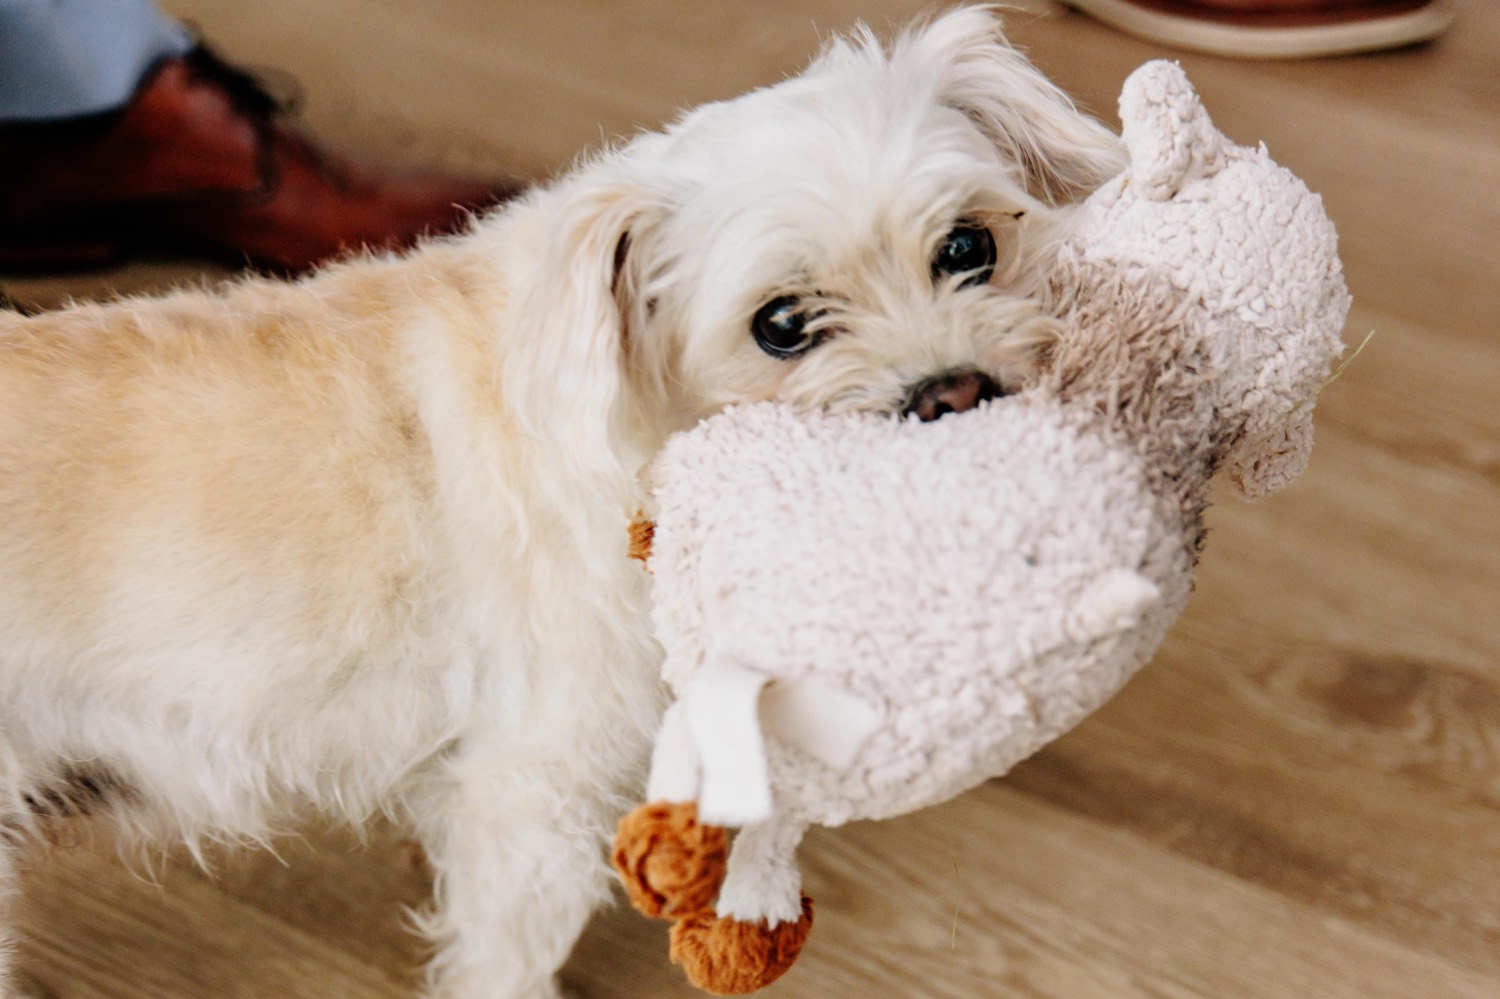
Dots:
pixel 358 544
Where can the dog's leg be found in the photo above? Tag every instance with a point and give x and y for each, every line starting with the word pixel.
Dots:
pixel 520 866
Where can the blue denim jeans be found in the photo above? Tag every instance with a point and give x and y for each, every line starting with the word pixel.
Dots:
pixel 67 58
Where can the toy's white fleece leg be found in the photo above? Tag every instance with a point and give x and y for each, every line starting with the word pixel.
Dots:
pixel 722 705
pixel 675 767
pixel 763 881
pixel 712 743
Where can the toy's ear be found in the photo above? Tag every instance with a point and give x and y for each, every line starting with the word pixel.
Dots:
pixel 1062 153
pixel 1167 130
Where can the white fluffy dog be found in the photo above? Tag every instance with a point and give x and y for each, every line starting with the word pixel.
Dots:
pixel 358 543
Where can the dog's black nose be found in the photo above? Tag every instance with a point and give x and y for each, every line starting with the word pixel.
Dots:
pixel 950 392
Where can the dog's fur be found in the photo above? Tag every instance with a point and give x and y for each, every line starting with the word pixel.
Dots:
pixel 358 543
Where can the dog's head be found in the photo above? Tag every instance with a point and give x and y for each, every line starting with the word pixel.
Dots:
pixel 869 234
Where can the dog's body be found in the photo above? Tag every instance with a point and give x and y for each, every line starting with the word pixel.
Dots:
pixel 358 543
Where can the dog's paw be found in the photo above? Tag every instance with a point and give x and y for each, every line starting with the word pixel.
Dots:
pixel 670 864
pixel 730 958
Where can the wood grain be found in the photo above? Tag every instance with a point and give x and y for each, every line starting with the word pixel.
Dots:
pixel 1300 797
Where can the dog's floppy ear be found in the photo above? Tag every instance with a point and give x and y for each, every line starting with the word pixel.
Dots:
pixel 570 374
pixel 1062 153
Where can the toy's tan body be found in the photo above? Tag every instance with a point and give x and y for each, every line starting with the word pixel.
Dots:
pixel 863 618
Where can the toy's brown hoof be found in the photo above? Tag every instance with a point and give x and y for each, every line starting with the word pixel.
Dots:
pixel 730 958
pixel 671 865
pixel 642 533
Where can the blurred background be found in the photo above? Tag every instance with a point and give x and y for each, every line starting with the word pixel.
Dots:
pixel 1300 797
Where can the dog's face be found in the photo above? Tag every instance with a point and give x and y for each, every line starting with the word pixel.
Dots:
pixel 869 235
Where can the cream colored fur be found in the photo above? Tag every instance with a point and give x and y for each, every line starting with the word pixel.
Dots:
pixel 358 544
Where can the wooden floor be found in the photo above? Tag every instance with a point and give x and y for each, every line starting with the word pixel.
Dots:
pixel 1299 799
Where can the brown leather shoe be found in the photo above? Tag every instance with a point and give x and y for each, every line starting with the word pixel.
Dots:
pixel 198 162
pixel 1276 29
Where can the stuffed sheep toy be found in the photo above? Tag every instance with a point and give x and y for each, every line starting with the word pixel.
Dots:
pixel 863 616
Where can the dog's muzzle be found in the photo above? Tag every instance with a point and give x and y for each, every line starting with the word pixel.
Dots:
pixel 950 392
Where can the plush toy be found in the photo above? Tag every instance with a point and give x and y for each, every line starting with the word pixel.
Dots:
pixel 863 616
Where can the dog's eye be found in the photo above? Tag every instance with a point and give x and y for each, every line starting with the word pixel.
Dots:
pixel 780 327
pixel 968 250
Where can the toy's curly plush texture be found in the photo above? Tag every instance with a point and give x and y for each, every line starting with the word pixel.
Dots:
pixel 1216 244
pixel 641 533
pixel 942 652
pixel 864 616
pixel 671 865
pixel 730 957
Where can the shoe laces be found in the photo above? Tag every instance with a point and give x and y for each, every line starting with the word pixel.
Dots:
pixel 250 92
pixel 247 91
